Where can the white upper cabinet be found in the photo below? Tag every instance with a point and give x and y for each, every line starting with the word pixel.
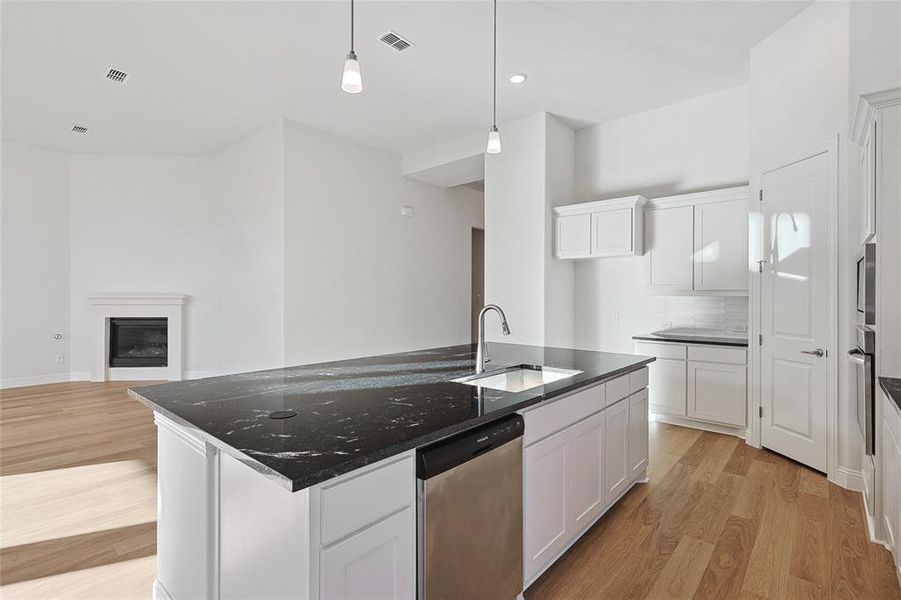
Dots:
pixel 670 248
pixel 599 229
pixel 698 243
pixel 721 246
pixel 573 236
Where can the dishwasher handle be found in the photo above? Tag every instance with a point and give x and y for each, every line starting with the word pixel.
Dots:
pixel 448 453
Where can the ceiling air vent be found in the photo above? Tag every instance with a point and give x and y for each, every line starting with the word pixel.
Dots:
pixel 117 75
pixel 79 129
pixel 396 41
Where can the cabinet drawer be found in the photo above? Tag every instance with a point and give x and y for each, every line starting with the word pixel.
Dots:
pixel 732 356
pixel 638 380
pixel 617 389
pixel 560 414
pixel 386 489
pixel 675 351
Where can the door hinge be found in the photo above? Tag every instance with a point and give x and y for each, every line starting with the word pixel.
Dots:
pixel 760 339
pixel 760 411
pixel 760 264
pixel 760 195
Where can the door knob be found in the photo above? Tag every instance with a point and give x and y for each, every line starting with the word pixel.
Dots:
pixel 819 352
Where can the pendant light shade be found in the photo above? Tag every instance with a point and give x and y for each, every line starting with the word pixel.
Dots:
pixel 352 81
pixel 494 141
pixel 494 136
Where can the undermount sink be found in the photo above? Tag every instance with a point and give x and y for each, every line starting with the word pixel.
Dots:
pixel 518 378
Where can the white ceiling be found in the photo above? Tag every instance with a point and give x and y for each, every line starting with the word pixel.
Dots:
pixel 206 73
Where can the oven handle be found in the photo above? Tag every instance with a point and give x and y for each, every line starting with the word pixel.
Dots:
pixel 857 357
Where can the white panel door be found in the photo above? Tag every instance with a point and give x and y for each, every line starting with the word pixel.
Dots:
pixel 616 450
pixel 666 385
pixel 638 433
pixel 717 392
pixel 721 246
pixel 574 236
pixel 378 562
pixel 545 465
pixel 611 232
pixel 793 310
pixel 670 241
pixel 586 476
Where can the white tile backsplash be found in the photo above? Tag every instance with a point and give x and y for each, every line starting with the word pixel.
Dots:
pixel 727 313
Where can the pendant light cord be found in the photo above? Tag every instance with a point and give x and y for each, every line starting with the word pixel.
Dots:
pixel 494 73
pixel 351 26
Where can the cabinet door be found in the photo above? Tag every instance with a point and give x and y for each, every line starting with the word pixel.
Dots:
pixel 545 465
pixel 721 246
pixel 666 387
pixel 616 450
pixel 895 507
pixel 574 236
pixel 669 238
pixel 717 392
pixel 378 562
pixel 586 476
pixel 611 232
pixel 638 433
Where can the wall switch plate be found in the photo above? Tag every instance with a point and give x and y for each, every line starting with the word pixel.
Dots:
pixel 60 359
pixel 407 211
pixel 615 317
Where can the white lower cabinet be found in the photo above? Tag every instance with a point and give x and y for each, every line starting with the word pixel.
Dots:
pixel 378 562
pixel 586 477
pixel 890 452
pixel 572 476
pixel 638 433
pixel 697 383
pixel 616 450
pixel 546 468
pixel 666 383
pixel 716 392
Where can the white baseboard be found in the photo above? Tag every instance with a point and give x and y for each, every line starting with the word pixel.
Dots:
pixel 160 592
pixel 683 422
pixel 14 382
pixel 80 376
pixel 850 479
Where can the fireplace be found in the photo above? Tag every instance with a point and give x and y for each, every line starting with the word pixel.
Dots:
pixel 138 342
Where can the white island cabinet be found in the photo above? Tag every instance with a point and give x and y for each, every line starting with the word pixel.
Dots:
pixel 582 454
pixel 227 530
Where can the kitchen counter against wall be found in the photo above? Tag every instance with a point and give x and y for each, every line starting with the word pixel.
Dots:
pixel 695 336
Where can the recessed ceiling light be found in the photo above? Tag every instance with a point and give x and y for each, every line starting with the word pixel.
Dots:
pixel 518 77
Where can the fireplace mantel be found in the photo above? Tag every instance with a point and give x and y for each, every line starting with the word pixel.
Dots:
pixel 152 305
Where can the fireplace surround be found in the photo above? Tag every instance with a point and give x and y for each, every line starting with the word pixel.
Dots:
pixel 129 333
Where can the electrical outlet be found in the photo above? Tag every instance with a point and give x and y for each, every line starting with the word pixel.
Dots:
pixel 741 328
pixel 60 359
pixel 615 317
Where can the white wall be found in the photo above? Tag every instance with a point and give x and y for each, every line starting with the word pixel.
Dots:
pixel 799 97
pixel 206 227
pixel 559 275
pixel 515 213
pixel 692 146
pixel 34 265
pixel 361 279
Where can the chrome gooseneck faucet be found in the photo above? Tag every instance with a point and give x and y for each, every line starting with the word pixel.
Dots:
pixel 481 358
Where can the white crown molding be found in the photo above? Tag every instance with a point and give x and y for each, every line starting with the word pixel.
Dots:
pixel 867 105
pixel 721 195
pixel 600 205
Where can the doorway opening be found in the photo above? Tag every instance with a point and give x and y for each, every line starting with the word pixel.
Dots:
pixel 477 288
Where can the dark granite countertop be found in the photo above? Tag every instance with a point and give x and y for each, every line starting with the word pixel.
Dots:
pixel 352 413
pixel 892 388
pixel 698 336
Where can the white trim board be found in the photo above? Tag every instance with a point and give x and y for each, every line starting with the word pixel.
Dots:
pixel 15 382
pixel 867 104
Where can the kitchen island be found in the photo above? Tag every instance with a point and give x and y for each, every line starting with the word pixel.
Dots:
pixel 300 482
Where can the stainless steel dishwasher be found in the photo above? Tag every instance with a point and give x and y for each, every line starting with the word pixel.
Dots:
pixel 470 514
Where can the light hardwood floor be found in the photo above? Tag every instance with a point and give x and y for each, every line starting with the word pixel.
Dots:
pixel 718 519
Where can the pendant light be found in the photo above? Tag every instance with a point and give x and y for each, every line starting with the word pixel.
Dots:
pixel 351 81
pixel 494 136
